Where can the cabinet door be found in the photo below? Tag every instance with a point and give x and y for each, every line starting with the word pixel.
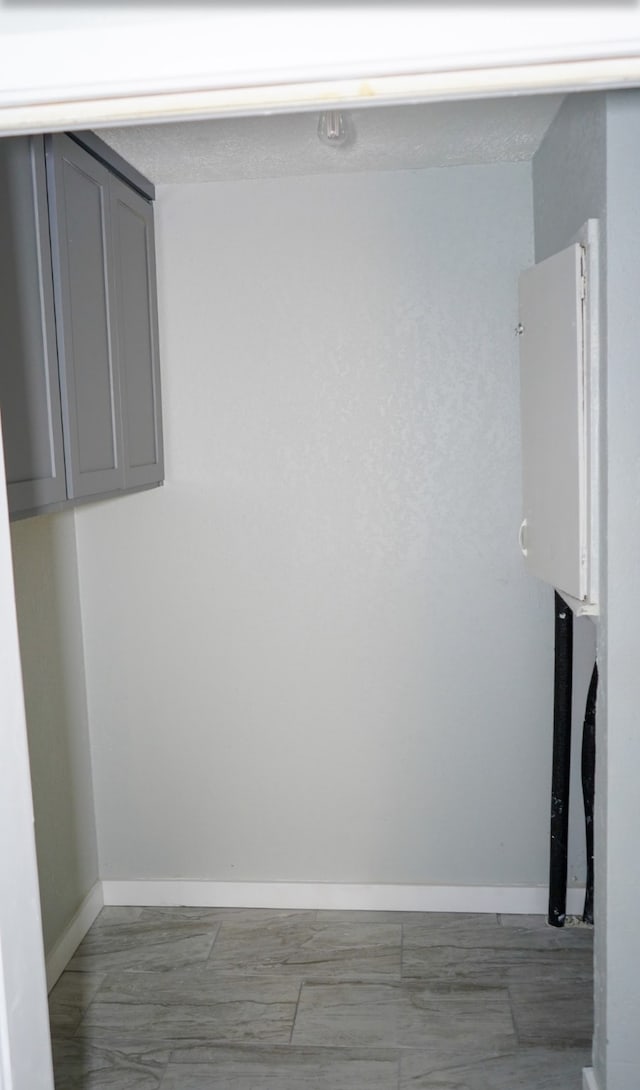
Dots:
pixel 84 291
pixel 137 332
pixel 29 387
pixel 554 436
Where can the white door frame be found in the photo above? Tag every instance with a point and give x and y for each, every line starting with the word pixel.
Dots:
pixel 86 69
pixel 25 1049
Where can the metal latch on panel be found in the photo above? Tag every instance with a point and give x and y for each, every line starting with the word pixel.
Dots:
pixel 522 537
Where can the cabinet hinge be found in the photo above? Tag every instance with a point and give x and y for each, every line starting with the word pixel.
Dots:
pixel 583 273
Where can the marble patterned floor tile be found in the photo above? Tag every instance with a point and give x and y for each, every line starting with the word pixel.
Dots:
pixel 170 913
pixel 548 971
pixel 79 1065
pixel 313 951
pixel 442 926
pixel 479 932
pixel 225 1068
pixel 200 998
pixel 479 950
pixel 359 916
pixel 69 999
pixel 490 966
pixel 553 1012
pixel 406 1015
pixel 141 946
pixel 191 1005
pixel 535 930
pixel 509 919
pixel 523 919
pixel 526 1069
pixel 120 914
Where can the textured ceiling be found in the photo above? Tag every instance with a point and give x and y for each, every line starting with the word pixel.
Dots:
pixel 381 138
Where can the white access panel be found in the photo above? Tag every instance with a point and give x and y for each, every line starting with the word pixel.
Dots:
pixel 554 536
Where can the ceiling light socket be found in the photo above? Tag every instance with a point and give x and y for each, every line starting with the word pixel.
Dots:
pixel 333 128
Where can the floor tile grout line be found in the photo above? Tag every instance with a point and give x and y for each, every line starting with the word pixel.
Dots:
pixel 163 1077
pixel 207 960
pixel 74 1035
pixel 513 1015
pixel 295 1013
pixel 165 1070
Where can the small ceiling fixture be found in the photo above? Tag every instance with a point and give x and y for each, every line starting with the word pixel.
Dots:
pixel 333 129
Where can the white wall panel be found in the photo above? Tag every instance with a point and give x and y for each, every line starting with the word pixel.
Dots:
pixel 617 1046
pixel 25 1050
pixel 314 655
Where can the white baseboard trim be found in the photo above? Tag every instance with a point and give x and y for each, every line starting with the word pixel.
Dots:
pixel 320 895
pixel 589 1079
pixel 60 955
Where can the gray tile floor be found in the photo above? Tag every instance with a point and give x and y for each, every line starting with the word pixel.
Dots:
pixel 239 999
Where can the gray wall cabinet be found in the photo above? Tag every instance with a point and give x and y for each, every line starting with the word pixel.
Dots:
pixel 84 291
pixel 29 389
pixel 137 334
pixel 80 369
pixel 104 278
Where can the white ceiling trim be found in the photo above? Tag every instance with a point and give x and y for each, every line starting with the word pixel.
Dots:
pixel 115 109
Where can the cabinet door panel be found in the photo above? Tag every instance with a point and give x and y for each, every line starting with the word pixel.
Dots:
pixel 132 222
pixel 83 281
pixel 554 440
pixel 29 388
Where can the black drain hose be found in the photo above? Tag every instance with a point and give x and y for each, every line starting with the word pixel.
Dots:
pixel 588 785
pixel 562 687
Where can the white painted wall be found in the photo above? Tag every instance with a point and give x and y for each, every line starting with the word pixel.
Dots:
pixel 49 622
pixel 25 1048
pixel 314 654
pixel 617 1046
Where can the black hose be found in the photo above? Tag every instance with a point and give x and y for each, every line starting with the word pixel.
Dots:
pixel 588 785
pixel 561 769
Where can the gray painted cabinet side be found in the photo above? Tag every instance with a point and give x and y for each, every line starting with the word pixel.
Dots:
pixel 84 293
pixel 29 388
pixel 137 332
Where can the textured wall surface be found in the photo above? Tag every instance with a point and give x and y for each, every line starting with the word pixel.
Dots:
pixel 46 579
pixel 314 654
pixel 569 173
